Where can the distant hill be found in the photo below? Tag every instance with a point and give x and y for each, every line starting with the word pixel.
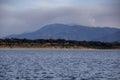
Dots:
pixel 111 37
pixel 73 32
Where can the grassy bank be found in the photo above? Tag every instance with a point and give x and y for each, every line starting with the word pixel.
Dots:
pixel 57 44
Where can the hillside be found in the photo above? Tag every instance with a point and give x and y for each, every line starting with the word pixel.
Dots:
pixel 72 32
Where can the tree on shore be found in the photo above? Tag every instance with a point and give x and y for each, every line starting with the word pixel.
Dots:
pixel 14 42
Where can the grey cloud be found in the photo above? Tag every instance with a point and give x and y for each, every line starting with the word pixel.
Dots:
pixel 16 22
pixel 111 17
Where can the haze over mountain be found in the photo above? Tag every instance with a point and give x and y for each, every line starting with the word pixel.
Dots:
pixel 19 16
pixel 73 32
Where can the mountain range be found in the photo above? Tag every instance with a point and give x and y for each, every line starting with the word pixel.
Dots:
pixel 73 32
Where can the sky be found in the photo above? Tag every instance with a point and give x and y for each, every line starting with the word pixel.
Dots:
pixel 21 16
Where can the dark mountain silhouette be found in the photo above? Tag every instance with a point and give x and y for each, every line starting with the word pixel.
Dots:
pixel 73 32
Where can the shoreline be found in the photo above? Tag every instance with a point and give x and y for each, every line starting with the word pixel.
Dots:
pixel 50 48
pixel 53 49
pixel 57 44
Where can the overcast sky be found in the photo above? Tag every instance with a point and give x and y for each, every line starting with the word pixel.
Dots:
pixel 19 16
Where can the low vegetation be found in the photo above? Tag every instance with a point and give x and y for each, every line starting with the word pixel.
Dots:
pixel 58 43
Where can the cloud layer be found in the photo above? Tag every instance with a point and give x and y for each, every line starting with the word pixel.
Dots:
pixel 19 16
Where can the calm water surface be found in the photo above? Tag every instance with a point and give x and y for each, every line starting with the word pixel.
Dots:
pixel 59 64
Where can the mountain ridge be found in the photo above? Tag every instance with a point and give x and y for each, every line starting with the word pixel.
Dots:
pixel 71 32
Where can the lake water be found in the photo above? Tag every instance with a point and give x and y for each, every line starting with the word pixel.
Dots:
pixel 59 64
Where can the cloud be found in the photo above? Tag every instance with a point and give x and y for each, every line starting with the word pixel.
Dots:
pixel 15 20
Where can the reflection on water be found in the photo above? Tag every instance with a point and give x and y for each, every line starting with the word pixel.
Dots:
pixel 59 65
